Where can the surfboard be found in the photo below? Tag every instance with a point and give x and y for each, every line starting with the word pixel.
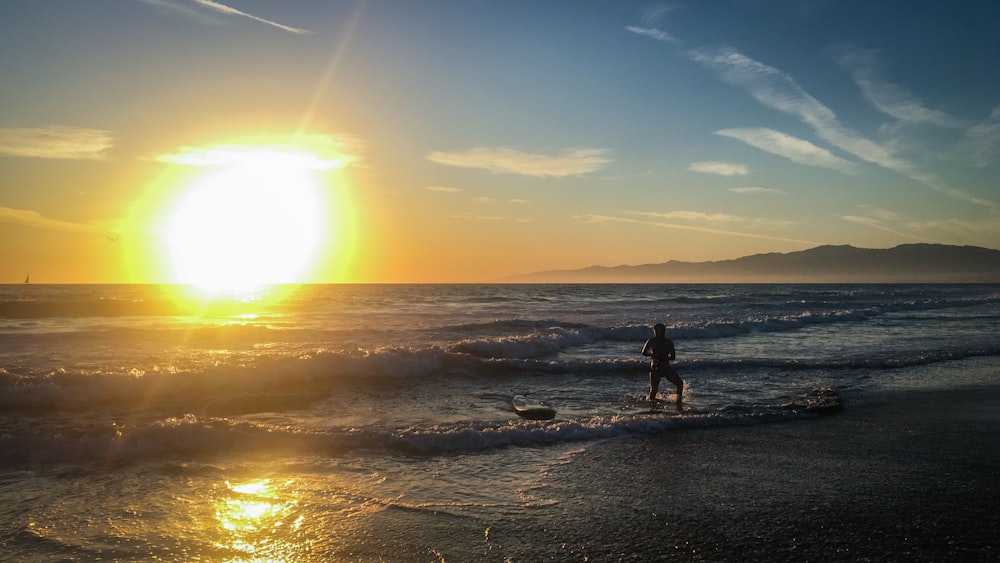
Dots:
pixel 532 409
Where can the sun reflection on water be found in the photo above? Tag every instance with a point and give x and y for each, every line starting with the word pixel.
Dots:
pixel 260 521
pixel 260 306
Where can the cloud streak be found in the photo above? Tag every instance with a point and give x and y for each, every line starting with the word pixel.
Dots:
pixel 653 33
pixel 877 224
pixel 754 190
pixel 571 162
pixel 187 11
pixel 470 217
pixel 654 14
pixel 56 142
pixel 228 10
pixel 307 152
pixel 937 230
pixel 779 91
pixel 202 17
pixel 792 148
pixel 890 98
pixel 695 228
pixel 720 168
pixel 34 219
pixel 981 142
pixel 715 218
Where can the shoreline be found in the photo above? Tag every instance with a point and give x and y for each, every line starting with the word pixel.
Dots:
pixel 898 475
pixel 894 476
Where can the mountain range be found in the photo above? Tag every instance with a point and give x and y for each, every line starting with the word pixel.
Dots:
pixel 908 263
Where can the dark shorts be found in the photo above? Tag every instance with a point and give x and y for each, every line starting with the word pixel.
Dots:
pixel 664 370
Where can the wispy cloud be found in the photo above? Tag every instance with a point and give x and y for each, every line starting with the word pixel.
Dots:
pixel 471 217
pixel 792 148
pixel 716 218
pixel 754 190
pixel 653 33
pixel 879 225
pixel 56 142
pixel 185 9
pixel 222 8
pixel 981 142
pixel 695 228
pixel 767 84
pixel 34 219
pixel 653 14
pixel 777 90
pixel 720 168
pixel 781 92
pixel 887 97
pixel 936 230
pixel 443 189
pixel 571 162
pixel 311 152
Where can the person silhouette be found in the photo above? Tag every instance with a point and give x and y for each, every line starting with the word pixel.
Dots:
pixel 661 351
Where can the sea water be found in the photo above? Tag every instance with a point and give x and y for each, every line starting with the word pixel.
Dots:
pixel 341 422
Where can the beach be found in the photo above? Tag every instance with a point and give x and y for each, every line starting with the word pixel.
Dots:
pixel 375 423
pixel 908 476
pixel 912 476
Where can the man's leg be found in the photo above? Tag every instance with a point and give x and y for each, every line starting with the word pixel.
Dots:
pixel 654 384
pixel 672 377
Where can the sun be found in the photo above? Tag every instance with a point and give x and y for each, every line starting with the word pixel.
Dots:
pixel 257 222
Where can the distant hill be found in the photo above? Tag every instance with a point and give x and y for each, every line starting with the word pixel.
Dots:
pixel 908 263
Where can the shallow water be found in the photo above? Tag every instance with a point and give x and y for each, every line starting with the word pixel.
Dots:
pixel 139 425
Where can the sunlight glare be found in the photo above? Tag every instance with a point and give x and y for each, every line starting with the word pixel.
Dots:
pixel 252 224
pixel 253 520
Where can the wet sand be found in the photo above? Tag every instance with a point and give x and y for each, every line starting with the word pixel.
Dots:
pixel 903 476
pixel 900 476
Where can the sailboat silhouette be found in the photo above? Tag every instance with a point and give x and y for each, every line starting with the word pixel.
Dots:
pixel 27 278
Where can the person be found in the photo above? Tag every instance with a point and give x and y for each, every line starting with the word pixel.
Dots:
pixel 661 351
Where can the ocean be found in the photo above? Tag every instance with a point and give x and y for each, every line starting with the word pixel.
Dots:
pixel 374 422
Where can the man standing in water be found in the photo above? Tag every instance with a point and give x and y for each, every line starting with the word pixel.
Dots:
pixel 661 350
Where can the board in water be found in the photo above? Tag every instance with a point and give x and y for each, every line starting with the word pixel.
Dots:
pixel 533 410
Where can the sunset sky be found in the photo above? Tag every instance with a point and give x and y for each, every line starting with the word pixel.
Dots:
pixel 469 140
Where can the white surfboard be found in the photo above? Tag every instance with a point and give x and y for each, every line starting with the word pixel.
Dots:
pixel 532 409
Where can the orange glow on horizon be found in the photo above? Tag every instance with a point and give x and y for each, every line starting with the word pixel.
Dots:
pixel 237 218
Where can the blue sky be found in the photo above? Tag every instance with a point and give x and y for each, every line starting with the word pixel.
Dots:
pixel 485 138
